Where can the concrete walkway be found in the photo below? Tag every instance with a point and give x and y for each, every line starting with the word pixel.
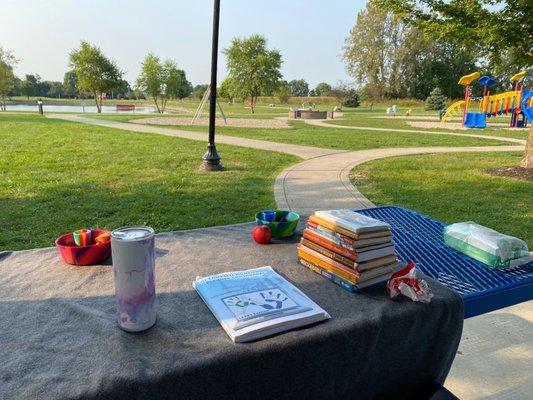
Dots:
pixel 495 356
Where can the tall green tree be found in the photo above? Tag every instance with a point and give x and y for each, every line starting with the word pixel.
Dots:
pixel 95 73
pixel 299 88
pixel 152 78
pixel 497 28
pixel 162 81
pixel 70 83
pixel 55 89
pixel 282 92
pixel 371 47
pixel 176 86
pixel 254 68
pixel 30 84
pixel 7 78
pixel 322 89
pixel 198 91
pixel 227 89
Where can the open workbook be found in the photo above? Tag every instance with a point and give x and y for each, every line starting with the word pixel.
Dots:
pixel 256 303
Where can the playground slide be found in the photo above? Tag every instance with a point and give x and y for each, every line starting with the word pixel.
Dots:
pixel 456 109
pixel 526 105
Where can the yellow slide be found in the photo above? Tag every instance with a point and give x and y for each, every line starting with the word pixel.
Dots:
pixel 455 109
pixel 467 79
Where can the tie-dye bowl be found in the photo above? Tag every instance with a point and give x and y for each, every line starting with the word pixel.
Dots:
pixel 284 224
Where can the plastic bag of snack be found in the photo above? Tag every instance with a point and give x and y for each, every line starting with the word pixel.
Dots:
pixel 409 282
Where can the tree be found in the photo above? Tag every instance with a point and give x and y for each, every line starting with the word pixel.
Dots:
pixel 199 90
pixel 282 92
pixel 30 84
pixel 95 73
pixel 436 100
pixel 176 85
pixel 254 68
pixel 70 83
pixel 122 89
pixel 55 89
pixel 227 89
pixel 162 81
pixel 495 31
pixel 299 88
pixel 371 47
pixel 322 89
pixel 7 78
pixel 500 33
pixel 152 78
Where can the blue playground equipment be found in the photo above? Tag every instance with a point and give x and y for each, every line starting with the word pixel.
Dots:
pixel 419 238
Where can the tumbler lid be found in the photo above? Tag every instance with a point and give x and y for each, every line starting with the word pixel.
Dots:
pixel 132 233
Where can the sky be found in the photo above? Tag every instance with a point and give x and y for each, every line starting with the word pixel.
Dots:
pixel 309 33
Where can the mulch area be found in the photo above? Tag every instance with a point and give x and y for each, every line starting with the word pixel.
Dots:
pixel 514 171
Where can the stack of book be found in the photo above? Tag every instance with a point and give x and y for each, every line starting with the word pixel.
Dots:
pixel 350 249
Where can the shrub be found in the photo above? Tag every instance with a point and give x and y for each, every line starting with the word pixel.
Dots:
pixel 351 99
pixel 436 100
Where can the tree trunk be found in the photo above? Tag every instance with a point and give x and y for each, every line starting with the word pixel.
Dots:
pixel 98 110
pixel 252 104
pixel 156 105
pixel 527 161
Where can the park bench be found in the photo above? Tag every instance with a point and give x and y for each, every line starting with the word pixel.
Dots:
pixel 125 107
pixel 419 238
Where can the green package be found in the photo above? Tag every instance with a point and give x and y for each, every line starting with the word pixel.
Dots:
pixel 486 245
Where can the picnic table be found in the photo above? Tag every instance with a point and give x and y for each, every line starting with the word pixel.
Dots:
pixel 59 338
pixel 419 238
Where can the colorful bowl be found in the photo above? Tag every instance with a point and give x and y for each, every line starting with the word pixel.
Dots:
pixel 284 224
pixel 82 255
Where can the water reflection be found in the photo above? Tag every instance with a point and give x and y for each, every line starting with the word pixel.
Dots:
pixel 77 109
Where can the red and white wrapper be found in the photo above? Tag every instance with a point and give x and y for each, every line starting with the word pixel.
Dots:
pixel 409 282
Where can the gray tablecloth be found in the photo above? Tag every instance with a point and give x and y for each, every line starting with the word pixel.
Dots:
pixel 59 338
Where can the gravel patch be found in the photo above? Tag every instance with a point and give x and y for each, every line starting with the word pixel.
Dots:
pixel 234 122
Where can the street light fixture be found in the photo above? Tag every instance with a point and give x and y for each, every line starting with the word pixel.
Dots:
pixel 211 158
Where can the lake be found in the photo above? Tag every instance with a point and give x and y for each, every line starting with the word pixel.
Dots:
pixel 77 109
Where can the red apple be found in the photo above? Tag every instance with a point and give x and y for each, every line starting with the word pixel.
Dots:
pixel 262 234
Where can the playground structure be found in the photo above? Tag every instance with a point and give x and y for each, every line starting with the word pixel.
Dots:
pixel 517 102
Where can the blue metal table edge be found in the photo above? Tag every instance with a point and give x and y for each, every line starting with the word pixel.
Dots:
pixel 488 300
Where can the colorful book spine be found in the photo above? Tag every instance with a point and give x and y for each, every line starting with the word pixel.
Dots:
pixel 328 264
pixel 324 223
pixel 329 253
pixel 340 239
pixel 318 238
pixel 332 277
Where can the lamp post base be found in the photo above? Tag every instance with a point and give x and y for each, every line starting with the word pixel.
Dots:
pixel 211 159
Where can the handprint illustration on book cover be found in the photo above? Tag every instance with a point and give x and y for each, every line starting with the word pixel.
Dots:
pixel 254 304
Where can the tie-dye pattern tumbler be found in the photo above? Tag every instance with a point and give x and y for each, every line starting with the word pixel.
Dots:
pixel 133 251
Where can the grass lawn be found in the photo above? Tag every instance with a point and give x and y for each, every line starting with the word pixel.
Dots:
pixel 345 139
pixel 58 176
pixel 453 188
pixel 352 118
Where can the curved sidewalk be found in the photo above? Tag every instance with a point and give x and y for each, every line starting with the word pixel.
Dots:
pixel 324 183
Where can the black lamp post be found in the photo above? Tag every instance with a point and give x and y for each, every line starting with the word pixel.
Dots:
pixel 211 157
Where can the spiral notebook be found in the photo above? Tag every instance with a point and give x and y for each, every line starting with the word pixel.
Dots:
pixel 255 303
